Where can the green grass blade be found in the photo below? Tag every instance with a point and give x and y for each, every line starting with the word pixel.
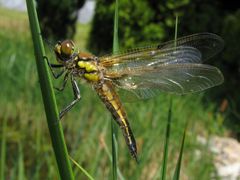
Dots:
pixel 115 33
pixel 167 137
pixel 38 150
pixel 178 166
pixel 114 130
pixel 176 30
pixel 55 129
pixel 120 175
pixel 3 147
pixel 82 169
pixel 21 173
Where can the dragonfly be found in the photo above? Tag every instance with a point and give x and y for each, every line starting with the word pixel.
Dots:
pixel 175 66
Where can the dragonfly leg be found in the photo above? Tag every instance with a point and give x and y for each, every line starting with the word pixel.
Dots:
pixel 77 97
pixel 51 66
pixel 64 83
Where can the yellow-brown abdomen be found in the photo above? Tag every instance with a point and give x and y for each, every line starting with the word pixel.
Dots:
pixel 111 100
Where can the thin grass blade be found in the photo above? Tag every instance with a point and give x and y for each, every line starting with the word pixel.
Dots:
pixel 120 175
pixel 55 129
pixel 167 137
pixel 114 132
pixel 81 168
pixel 38 150
pixel 21 171
pixel 115 33
pixel 114 129
pixel 176 30
pixel 3 147
pixel 178 166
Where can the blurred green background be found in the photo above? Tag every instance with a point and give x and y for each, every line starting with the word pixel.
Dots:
pixel 26 151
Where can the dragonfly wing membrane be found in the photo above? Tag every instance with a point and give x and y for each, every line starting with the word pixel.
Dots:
pixel 198 47
pixel 174 66
pixel 153 56
pixel 208 44
pixel 146 82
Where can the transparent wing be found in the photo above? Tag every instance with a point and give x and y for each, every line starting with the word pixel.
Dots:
pixel 174 66
pixel 146 82
pixel 189 49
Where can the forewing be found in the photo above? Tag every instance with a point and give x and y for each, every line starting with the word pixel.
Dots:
pixel 189 49
pixel 208 44
pixel 146 82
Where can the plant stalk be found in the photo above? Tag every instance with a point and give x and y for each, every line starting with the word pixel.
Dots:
pixel 49 101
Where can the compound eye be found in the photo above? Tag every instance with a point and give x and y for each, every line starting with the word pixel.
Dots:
pixel 67 48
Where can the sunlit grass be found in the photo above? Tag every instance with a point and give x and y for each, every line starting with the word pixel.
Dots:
pixel 13 20
pixel 81 36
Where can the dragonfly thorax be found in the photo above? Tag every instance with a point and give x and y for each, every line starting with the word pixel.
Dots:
pixel 91 71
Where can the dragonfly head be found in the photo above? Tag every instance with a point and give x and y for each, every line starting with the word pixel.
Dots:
pixel 64 50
